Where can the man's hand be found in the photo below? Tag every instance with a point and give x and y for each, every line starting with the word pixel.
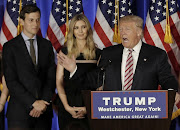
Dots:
pixel 68 63
pixel 40 105
pixel 35 113
pixel 100 88
pixel 177 98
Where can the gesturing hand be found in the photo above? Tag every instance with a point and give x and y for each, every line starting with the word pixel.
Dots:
pixel 68 63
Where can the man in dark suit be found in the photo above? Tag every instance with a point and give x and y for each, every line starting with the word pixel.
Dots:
pixel 29 69
pixel 132 65
pixel 150 66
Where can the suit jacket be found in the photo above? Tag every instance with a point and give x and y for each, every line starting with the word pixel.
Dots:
pixel 26 82
pixel 152 69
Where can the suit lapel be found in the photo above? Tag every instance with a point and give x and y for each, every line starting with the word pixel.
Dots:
pixel 23 48
pixel 40 53
pixel 116 66
pixel 22 45
pixel 120 60
pixel 143 57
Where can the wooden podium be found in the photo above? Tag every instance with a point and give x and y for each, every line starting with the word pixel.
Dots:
pixel 129 124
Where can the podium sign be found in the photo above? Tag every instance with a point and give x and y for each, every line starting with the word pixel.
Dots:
pixel 129 104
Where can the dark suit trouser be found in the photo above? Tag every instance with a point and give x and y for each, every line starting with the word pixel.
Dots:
pixel 30 124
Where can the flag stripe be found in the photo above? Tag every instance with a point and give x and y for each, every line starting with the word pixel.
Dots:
pixel 175 32
pixel 98 41
pixel 63 29
pixel 104 24
pixel 101 34
pixel 6 31
pixel 147 37
pixel 53 39
pixel 167 47
pixel 3 38
pixel 11 26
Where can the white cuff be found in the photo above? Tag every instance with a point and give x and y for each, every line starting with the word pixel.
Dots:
pixel 71 74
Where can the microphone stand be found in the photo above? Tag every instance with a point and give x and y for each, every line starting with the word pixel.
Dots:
pixel 103 69
pixel 104 75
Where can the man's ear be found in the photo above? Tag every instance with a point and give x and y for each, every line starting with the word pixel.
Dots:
pixel 22 22
pixel 139 32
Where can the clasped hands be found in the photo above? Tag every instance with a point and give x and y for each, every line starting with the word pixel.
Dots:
pixel 39 106
pixel 76 112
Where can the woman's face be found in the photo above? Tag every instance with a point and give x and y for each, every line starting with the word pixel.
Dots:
pixel 80 30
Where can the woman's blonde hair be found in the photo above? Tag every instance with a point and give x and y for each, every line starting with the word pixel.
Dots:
pixel 89 48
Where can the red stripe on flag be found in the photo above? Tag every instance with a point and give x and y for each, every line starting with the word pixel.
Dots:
pixel 148 37
pixel 178 13
pixel 101 34
pixel 175 32
pixel 168 49
pixel 0 46
pixel 52 37
pixel 63 29
pixel 6 31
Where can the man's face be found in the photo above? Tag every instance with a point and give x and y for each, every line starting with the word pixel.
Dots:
pixel 130 34
pixel 31 24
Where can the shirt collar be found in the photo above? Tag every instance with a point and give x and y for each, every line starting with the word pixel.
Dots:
pixel 136 48
pixel 26 38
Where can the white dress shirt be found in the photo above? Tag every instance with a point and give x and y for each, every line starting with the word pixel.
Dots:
pixel 27 42
pixel 135 55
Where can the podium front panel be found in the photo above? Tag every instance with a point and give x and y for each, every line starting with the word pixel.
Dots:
pixel 129 124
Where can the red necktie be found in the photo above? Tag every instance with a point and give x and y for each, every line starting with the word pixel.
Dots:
pixel 128 79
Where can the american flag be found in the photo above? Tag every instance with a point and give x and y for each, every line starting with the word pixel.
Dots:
pixel 105 20
pixel 57 22
pixel 154 32
pixel 10 20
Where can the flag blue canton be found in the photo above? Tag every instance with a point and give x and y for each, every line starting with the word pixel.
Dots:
pixel 59 10
pixel 107 7
pixel 157 10
pixel 13 8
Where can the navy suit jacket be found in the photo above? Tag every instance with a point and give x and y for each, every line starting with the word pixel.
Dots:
pixel 27 83
pixel 152 69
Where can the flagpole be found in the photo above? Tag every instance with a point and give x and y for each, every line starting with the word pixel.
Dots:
pixel 67 21
pixel 168 36
pixel 19 27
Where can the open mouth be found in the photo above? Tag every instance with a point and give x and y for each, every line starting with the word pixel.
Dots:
pixel 125 40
